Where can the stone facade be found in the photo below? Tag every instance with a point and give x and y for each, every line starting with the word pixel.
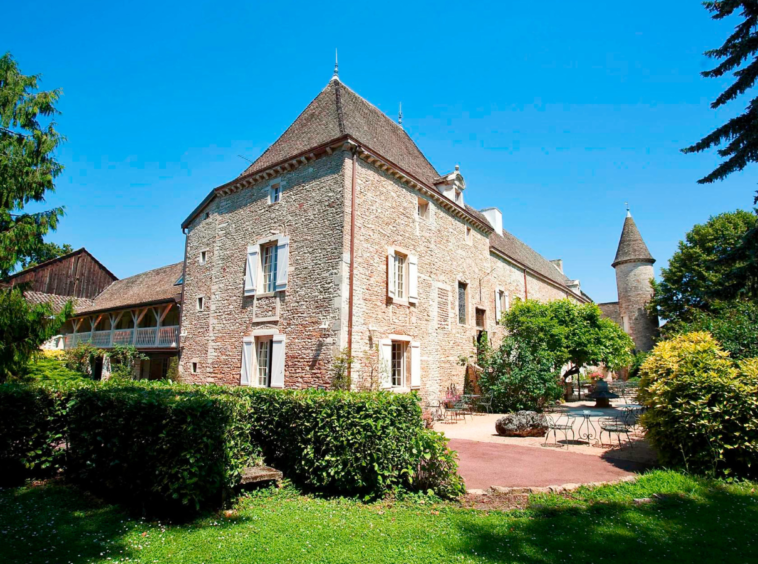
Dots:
pixel 308 312
pixel 635 292
pixel 444 245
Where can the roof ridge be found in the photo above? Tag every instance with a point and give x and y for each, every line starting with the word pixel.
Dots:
pixel 338 102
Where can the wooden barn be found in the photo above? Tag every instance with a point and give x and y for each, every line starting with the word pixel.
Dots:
pixel 77 274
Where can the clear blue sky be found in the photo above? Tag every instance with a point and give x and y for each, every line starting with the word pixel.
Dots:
pixel 557 112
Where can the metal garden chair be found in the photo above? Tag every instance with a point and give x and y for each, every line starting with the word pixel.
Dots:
pixel 558 421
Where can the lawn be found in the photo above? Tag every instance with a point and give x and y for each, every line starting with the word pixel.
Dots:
pixel 690 520
pixel 49 367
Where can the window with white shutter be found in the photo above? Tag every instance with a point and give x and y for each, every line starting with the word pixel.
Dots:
pixel 391 273
pixel 283 259
pixel 277 361
pixel 412 279
pixel 385 363
pixel 415 365
pixel 251 269
pixel 267 267
pixel 248 345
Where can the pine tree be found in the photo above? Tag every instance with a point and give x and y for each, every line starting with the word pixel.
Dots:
pixel 28 167
pixel 739 54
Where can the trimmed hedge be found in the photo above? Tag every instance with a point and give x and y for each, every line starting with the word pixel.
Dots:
pixel 33 429
pixel 168 444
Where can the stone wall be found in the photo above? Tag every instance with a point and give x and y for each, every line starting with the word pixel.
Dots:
pixel 635 291
pixel 308 312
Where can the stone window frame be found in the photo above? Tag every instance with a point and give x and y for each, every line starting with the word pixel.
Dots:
pixel 202 257
pixel 200 303
pixel 282 263
pixel 279 183
pixel 423 210
pixel 410 273
pixel 468 234
pixel 194 366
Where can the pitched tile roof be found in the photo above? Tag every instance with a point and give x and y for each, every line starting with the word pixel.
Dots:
pixel 338 111
pixel 149 287
pixel 631 246
pixel 58 302
pixel 522 253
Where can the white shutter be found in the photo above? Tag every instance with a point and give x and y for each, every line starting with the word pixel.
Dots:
pixel 413 279
pixel 498 308
pixel 282 262
pixel 248 347
pixel 251 269
pixel 415 365
pixel 277 361
pixel 507 301
pixel 385 363
pixel 391 273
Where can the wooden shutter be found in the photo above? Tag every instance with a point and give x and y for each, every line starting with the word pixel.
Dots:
pixel 415 365
pixel 413 279
pixel 282 263
pixel 385 363
pixel 251 269
pixel 248 347
pixel 391 273
pixel 277 361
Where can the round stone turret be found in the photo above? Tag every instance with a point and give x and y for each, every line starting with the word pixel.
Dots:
pixel 634 271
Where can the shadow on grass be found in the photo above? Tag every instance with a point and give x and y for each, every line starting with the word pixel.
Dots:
pixel 58 523
pixel 718 526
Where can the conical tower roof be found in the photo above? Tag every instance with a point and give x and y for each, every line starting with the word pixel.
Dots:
pixel 336 112
pixel 631 246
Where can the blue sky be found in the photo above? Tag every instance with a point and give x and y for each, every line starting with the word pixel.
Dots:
pixel 557 112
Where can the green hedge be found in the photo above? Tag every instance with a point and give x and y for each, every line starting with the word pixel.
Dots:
pixel 159 443
pixel 33 429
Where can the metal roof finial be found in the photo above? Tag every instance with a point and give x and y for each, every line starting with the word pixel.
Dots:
pixel 628 213
pixel 400 115
pixel 336 66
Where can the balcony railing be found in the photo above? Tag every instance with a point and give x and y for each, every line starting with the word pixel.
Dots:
pixel 142 338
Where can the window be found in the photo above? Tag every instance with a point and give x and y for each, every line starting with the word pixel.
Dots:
pixel 200 303
pixel 207 215
pixel 443 308
pixel 263 361
pixel 501 304
pixel 203 257
pixel 269 265
pixel 462 302
pixel 468 234
pixel 194 367
pixel 397 371
pixel 399 277
pixel 423 209
pixel 458 197
pixel 275 193
pixel 480 318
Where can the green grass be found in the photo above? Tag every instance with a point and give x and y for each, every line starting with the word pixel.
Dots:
pixel 45 368
pixel 693 520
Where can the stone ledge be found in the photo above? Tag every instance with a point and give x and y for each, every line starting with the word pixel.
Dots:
pixel 564 488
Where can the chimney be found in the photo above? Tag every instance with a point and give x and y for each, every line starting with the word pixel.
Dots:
pixel 495 218
pixel 558 263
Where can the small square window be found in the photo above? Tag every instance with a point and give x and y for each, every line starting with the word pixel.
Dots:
pixel 203 257
pixel 275 193
pixel 194 367
pixel 200 303
pixel 422 210
pixel 468 234
pixel 206 215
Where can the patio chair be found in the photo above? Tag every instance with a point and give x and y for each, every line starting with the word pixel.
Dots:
pixel 485 402
pixel 558 421
pixel 617 425
pixel 436 409
pixel 460 408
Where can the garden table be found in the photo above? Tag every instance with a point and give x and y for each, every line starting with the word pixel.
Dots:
pixel 587 430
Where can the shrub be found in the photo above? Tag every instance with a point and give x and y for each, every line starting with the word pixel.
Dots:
pixel 437 467
pixel 519 378
pixel 123 359
pixel 46 367
pixel 167 447
pixel 81 357
pixel 703 406
pixel 33 429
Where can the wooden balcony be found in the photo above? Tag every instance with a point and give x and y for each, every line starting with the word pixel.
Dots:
pixel 143 338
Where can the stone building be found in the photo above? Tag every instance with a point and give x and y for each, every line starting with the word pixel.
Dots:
pixel 634 271
pixel 342 235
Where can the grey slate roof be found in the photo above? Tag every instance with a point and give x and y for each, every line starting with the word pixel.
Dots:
pixel 631 246
pixel 338 111
pixel 149 287
pixel 526 256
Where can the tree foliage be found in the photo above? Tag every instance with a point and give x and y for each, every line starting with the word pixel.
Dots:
pixel 45 252
pixel 739 56
pixel 28 166
pixel 23 328
pixel 733 324
pixel 576 335
pixel 706 267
